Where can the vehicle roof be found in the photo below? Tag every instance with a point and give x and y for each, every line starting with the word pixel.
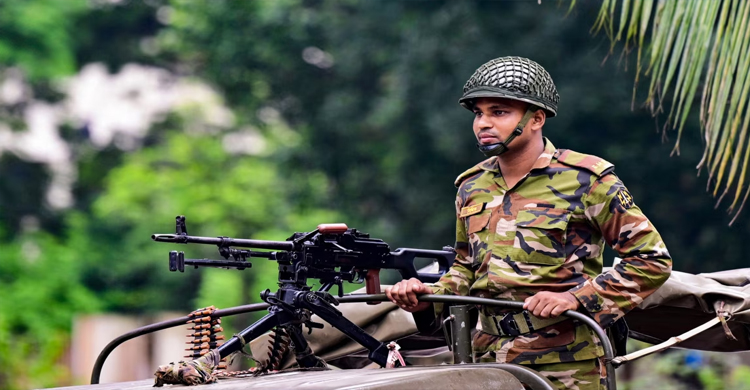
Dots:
pixel 459 377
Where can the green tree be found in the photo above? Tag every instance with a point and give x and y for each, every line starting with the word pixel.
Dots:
pixel 41 290
pixel 38 36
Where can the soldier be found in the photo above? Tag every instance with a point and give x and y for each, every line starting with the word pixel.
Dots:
pixel 532 221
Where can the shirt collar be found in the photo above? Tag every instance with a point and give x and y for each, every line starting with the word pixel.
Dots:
pixel 543 161
pixel 546 157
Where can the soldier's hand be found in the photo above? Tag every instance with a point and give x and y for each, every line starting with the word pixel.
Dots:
pixel 550 305
pixel 404 294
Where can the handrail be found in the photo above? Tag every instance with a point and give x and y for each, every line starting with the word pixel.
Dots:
pixel 350 298
pixel 609 353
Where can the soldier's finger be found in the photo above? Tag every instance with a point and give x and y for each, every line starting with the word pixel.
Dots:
pixel 403 297
pixel 398 292
pixel 388 293
pixel 557 311
pixel 539 310
pixel 392 293
pixel 421 287
pixel 404 294
pixel 547 312
pixel 412 288
pixel 531 303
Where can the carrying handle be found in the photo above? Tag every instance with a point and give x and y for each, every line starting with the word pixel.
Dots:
pixel 446 332
pixel 332 228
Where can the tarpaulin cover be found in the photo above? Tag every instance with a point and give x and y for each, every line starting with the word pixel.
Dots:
pixel 686 301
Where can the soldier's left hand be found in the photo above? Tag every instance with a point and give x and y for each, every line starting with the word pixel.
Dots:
pixel 549 304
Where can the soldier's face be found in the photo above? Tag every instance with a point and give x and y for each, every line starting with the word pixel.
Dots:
pixel 495 118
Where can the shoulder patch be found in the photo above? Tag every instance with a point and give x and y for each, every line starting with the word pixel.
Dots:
pixel 596 165
pixel 624 197
pixel 486 165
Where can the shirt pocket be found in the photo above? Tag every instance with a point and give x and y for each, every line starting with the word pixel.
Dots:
pixel 478 235
pixel 540 236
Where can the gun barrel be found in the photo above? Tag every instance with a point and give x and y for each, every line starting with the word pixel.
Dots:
pixel 224 241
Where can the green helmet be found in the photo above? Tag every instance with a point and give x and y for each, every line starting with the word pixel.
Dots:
pixel 514 78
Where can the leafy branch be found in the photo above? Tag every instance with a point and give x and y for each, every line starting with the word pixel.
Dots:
pixel 694 43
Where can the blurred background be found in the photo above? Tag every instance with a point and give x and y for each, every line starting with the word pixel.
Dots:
pixel 261 118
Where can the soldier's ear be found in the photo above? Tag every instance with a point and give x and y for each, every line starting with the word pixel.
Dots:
pixel 537 121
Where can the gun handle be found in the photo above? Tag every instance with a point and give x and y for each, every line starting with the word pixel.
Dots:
pixel 372 283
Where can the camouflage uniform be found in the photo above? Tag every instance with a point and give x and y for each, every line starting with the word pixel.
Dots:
pixel 547 234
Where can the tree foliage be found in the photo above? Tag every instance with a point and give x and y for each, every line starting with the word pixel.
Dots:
pixel 695 45
pixel 38 36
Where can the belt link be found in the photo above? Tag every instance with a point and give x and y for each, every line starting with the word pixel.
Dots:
pixel 507 325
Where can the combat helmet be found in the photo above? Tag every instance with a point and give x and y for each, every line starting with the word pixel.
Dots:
pixel 515 78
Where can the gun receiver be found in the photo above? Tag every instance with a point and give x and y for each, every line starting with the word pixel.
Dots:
pixel 332 254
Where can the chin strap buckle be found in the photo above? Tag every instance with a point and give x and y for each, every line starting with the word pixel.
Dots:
pixel 502 146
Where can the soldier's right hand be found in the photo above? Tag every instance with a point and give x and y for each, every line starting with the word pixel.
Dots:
pixel 404 294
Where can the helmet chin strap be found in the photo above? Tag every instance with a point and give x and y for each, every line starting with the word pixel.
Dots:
pixel 501 147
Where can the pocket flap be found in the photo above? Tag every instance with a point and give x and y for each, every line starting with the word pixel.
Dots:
pixel 476 223
pixel 555 335
pixel 543 218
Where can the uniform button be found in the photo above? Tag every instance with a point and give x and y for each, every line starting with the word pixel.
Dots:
pixel 597 307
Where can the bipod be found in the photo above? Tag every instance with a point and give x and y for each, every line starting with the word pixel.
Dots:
pixel 290 309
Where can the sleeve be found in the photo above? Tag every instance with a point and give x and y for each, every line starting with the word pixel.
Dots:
pixel 645 264
pixel 460 276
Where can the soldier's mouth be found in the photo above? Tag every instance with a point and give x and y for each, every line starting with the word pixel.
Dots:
pixel 486 139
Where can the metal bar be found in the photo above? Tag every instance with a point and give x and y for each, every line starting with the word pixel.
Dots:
pixel 240 265
pixel 99 364
pixel 225 241
pixel 461 334
pixel 609 353
pixel 608 350
pixel 253 331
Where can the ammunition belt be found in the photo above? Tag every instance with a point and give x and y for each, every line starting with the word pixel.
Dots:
pixel 206 334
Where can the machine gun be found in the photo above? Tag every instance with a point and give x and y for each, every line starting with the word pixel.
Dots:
pixel 332 254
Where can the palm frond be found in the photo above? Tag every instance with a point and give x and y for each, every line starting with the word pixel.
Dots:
pixel 692 43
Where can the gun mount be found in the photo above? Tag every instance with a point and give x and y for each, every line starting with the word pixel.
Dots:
pixel 331 254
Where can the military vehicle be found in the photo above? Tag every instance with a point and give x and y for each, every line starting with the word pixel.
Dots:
pixel 346 345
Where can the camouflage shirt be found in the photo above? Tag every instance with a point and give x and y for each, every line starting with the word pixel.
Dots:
pixel 547 233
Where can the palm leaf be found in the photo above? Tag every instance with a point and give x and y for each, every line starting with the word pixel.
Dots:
pixel 692 43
